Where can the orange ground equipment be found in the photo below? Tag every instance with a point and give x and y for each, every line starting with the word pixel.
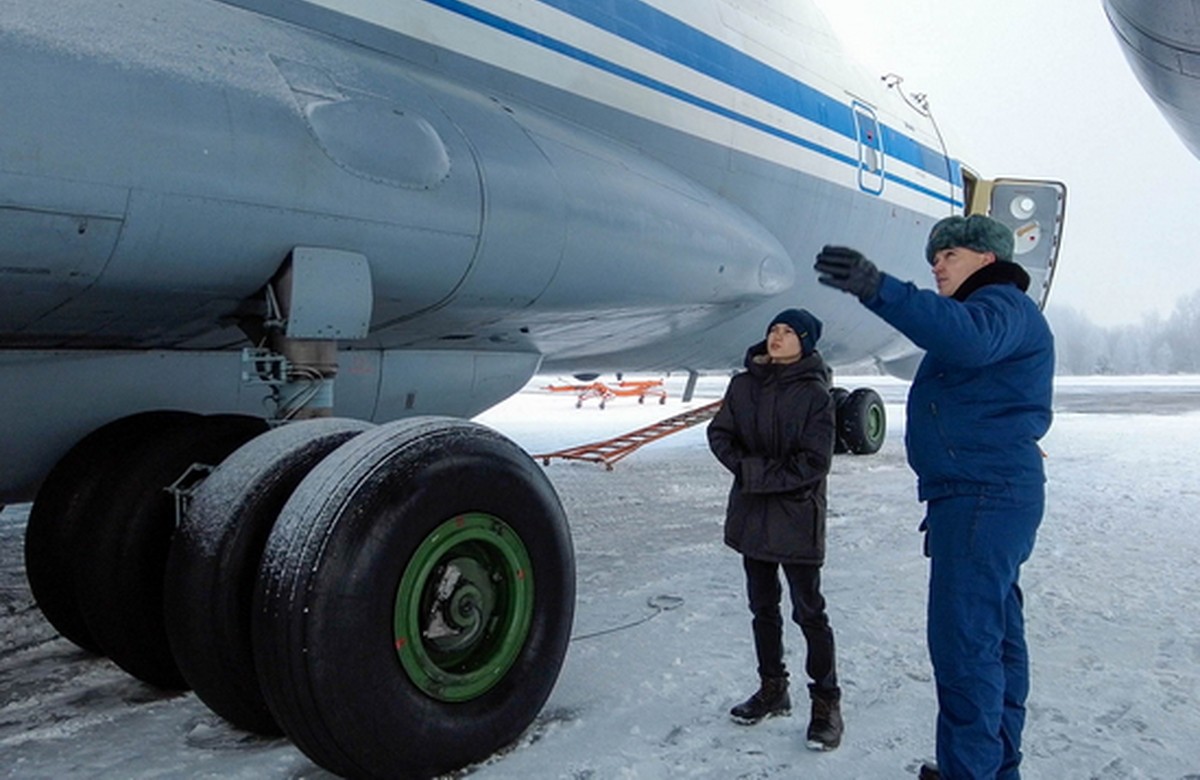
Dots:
pixel 612 450
pixel 623 389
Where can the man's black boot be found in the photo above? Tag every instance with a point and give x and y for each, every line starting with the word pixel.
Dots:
pixel 825 727
pixel 770 699
pixel 928 772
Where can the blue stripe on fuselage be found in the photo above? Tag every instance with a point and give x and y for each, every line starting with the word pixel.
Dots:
pixel 665 35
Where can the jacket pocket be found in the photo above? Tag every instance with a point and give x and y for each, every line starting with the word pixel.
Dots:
pixel 947 445
pixel 798 532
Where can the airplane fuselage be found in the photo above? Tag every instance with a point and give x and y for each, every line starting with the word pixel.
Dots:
pixel 532 184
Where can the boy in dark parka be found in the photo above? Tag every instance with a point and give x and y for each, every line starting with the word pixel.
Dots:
pixel 775 433
pixel 979 403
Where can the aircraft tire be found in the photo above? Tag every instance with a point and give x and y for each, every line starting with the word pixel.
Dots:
pixel 415 600
pixel 120 590
pixel 840 394
pixel 213 564
pixel 63 506
pixel 863 424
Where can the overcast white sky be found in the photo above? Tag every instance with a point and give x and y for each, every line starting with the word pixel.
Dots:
pixel 1042 90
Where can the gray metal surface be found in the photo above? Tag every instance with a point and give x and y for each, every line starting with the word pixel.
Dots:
pixel 1161 41
pixel 528 188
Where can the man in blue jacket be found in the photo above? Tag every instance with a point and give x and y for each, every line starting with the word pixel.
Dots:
pixel 978 405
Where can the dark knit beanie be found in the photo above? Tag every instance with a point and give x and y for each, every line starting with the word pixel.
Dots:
pixel 807 327
pixel 976 232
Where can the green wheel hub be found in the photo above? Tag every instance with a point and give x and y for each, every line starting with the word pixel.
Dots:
pixel 463 607
pixel 875 422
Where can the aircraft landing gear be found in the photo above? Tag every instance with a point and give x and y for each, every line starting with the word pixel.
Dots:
pixel 123 551
pixel 64 506
pixel 100 526
pixel 861 421
pixel 213 563
pixel 415 599
pixel 396 599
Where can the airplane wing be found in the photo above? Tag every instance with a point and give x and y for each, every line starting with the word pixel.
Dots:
pixel 1161 41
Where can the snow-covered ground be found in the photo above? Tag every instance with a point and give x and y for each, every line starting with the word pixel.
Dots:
pixel 662 643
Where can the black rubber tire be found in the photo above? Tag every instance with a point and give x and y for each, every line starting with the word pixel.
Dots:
pixel 213 563
pixel 840 394
pixel 863 424
pixel 63 506
pixel 121 590
pixel 327 593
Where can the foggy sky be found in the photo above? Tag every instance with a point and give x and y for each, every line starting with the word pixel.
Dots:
pixel 1027 88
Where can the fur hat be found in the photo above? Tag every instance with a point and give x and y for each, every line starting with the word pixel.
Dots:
pixel 807 327
pixel 976 232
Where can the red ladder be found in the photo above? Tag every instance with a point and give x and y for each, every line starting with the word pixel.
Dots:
pixel 612 450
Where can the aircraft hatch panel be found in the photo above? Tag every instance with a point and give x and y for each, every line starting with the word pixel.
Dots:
pixel 870 149
pixel 1034 210
pixel 48 258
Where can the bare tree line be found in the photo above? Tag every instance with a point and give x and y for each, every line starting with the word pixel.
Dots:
pixel 1156 345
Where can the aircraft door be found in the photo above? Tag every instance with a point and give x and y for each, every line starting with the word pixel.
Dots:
pixel 1034 210
pixel 870 149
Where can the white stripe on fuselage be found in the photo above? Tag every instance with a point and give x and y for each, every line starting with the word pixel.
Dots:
pixel 452 31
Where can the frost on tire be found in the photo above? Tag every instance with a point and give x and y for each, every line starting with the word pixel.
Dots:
pixel 213 563
pixel 415 600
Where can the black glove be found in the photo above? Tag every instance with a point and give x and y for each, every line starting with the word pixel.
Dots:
pixel 846 269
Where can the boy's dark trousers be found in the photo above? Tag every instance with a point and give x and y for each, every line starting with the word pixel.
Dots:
pixel 808 611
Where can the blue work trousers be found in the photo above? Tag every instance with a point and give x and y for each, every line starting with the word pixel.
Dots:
pixel 976 629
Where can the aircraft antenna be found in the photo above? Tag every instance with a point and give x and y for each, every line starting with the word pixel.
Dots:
pixel 919 102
